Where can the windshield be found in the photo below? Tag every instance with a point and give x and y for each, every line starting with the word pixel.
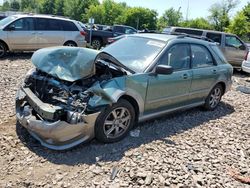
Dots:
pixel 136 53
pixel 7 20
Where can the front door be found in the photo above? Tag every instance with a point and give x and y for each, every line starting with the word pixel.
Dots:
pixel 170 91
pixel 22 34
pixel 235 50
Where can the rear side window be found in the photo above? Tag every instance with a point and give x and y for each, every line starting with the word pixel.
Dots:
pixel 189 31
pixel 178 57
pixel 220 58
pixel 216 37
pixel 44 24
pixel 69 26
pixel 201 57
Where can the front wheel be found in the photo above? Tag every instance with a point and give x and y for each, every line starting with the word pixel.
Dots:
pixel 114 123
pixel 3 50
pixel 214 97
pixel 70 44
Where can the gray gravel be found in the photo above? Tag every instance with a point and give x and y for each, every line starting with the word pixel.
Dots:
pixel 194 148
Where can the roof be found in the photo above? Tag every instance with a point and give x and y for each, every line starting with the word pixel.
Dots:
pixel 196 29
pixel 166 38
pixel 41 16
pixel 162 37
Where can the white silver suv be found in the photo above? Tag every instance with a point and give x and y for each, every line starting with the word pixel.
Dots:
pixel 27 32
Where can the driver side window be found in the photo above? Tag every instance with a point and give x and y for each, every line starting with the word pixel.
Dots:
pixel 232 41
pixel 23 24
pixel 178 57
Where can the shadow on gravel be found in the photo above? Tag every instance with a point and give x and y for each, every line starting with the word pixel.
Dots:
pixel 18 56
pixel 157 129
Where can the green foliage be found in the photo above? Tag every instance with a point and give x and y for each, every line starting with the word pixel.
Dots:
pixel 31 5
pixel 246 11
pixel 6 6
pixel 219 14
pixel 240 26
pixel 15 5
pixel 48 7
pixel 76 9
pixel 59 7
pixel 142 18
pixel 171 17
pixel 199 23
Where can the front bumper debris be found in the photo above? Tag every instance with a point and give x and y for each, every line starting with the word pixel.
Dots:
pixel 57 135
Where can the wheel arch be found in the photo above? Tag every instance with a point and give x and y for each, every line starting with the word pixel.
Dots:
pixel 223 84
pixel 7 47
pixel 134 103
pixel 68 41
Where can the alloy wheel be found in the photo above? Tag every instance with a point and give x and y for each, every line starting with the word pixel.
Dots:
pixel 215 97
pixel 117 122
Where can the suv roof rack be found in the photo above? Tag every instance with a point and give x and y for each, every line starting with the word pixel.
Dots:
pixel 182 35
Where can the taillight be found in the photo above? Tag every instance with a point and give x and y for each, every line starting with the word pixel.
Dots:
pixel 246 55
pixel 83 33
pixel 110 40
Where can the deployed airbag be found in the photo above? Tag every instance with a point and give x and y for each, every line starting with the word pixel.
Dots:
pixel 66 63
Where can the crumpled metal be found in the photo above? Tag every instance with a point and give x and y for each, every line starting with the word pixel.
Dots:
pixel 66 63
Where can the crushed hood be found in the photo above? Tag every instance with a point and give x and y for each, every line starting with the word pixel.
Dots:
pixel 66 63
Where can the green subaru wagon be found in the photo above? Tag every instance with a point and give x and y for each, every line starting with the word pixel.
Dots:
pixel 76 94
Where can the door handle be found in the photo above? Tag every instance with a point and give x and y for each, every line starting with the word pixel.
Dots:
pixel 33 33
pixel 185 76
pixel 40 33
pixel 214 71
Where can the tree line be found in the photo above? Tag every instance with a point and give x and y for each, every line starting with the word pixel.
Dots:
pixel 110 12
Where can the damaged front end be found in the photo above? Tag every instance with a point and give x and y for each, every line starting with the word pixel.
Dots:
pixel 60 111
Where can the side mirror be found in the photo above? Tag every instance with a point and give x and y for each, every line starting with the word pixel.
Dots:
pixel 242 47
pixel 163 69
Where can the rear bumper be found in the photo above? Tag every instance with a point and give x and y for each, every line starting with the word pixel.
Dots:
pixel 58 135
pixel 246 66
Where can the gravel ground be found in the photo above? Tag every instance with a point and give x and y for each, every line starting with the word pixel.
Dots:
pixel 194 148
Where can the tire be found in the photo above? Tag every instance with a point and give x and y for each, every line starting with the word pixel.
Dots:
pixel 71 44
pixel 96 43
pixel 214 97
pixel 3 49
pixel 114 123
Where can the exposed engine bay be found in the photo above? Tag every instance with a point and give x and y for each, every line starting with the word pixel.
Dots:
pixel 72 97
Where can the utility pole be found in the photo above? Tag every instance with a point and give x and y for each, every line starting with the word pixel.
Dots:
pixel 187 13
pixel 138 21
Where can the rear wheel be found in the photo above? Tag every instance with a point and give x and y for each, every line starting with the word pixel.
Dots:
pixel 71 44
pixel 214 97
pixel 96 43
pixel 114 123
pixel 3 49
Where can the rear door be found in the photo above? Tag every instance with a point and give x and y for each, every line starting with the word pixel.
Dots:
pixel 49 32
pixel 22 35
pixel 205 72
pixel 235 50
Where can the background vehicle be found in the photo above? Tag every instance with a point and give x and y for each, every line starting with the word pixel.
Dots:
pixel 2 17
pixel 246 63
pixel 100 37
pixel 233 48
pixel 114 39
pixel 27 32
pixel 105 93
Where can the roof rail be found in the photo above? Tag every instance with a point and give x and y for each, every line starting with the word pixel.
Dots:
pixel 183 35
